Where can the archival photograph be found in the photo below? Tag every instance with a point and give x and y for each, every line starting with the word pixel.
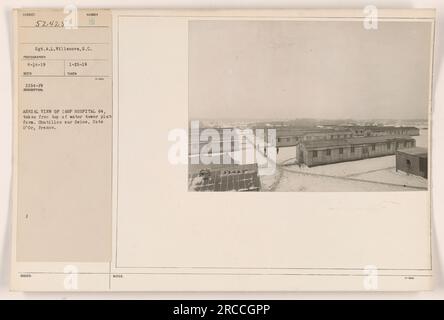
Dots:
pixel 335 106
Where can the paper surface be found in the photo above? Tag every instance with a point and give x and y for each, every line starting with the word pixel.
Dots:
pixel 102 95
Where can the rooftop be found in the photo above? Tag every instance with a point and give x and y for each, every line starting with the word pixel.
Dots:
pixel 224 178
pixel 379 128
pixel 313 144
pixel 416 151
pixel 282 132
pixel 376 139
pixel 353 141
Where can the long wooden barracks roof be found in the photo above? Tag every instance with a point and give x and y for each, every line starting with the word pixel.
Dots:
pixel 314 144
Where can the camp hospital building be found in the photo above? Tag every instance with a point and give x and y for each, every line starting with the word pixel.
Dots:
pixel 317 152
pixel 325 146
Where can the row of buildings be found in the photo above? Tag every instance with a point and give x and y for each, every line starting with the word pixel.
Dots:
pixel 291 136
pixel 332 144
pixel 287 137
pixel 335 144
pixel 359 142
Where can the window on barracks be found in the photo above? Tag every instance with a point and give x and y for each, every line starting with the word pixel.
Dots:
pixel 373 147
pixel 352 149
pixel 341 150
pixel 328 151
pixel 315 154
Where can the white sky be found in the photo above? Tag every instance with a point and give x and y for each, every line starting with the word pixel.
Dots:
pixel 328 70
